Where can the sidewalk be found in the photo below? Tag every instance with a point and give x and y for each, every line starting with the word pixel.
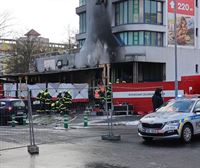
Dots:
pixel 50 156
pixel 116 120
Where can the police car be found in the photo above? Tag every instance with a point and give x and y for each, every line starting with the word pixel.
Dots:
pixel 178 118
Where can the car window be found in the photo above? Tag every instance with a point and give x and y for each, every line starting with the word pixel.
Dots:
pixel 197 106
pixel 177 106
pixel 2 103
pixel 18 103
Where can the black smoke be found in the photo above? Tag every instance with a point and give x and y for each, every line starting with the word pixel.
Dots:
pixel 100 44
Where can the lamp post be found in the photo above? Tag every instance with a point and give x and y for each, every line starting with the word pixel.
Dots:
pixel 175 51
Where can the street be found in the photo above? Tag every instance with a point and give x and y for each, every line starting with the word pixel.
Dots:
pixel 83 148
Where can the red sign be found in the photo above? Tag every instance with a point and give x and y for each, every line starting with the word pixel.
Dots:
pixel 185 7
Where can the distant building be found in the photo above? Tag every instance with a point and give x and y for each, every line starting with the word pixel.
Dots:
pixel 7 47
pixel 32 34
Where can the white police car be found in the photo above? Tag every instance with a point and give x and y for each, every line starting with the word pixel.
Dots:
pixel 178 118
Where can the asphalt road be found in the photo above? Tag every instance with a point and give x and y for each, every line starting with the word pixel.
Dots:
pixel 83 148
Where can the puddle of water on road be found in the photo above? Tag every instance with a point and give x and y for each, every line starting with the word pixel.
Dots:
pixel 103 165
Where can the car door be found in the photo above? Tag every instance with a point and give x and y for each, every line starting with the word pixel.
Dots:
pixel 196 117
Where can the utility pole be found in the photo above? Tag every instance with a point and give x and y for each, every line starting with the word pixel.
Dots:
pixel 175 50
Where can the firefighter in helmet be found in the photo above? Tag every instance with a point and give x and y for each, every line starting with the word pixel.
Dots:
pixel 41 99
pixel 99 95
pixel 47 100
pixel 57 104
pixel 67 101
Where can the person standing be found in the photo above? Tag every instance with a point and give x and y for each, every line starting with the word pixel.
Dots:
pixel 157 99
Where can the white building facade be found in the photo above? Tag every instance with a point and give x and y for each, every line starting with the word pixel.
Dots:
pixel 144 30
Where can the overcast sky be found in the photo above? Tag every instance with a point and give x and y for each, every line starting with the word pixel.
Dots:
pixel 51 18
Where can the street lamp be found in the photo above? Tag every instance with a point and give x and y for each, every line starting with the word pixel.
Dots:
pixel 175 50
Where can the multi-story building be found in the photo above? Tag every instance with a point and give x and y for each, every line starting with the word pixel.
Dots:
pixel 145 37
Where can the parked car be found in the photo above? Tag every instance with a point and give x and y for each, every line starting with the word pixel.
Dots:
pixel 8 107
pixel 178 118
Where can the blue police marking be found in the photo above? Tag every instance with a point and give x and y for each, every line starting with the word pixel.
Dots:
pixel 195 117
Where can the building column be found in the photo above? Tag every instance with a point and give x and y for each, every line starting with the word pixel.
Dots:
pixel 105 73
pixel 135 71
pixel 108 73
pixel 20 82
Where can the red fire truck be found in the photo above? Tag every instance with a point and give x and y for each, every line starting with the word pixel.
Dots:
pixel 139 94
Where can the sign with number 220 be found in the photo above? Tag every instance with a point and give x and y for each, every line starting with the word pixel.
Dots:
pixel 185 7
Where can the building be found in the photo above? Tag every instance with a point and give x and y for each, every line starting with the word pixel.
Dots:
pixel 144 33
pixel 8 48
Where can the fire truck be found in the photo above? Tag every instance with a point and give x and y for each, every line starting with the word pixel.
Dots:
pixel 139 95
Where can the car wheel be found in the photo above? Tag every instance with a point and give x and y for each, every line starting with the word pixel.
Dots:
pixel 187 133
pixel 147 139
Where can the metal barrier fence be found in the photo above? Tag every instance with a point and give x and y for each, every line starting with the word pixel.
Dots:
pixel 86 110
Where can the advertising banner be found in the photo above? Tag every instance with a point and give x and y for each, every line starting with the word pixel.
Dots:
pixel 49 64
pixel 185 29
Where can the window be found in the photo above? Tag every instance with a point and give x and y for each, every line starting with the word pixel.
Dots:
pixel 147 11
pixel 127 12
pixel 18 104
pixel 121 8
pixel 125 9
pixel 153 12
pixel 117 14
pixel 135 38
pixel 182 106
pixel 147 38
pixel 135 11
pixel 197 106
pixel 153 39
pixel 82 2
pixel 141 38
pixel 144 38
pixel 159 39
pixel 159 13
pixel 81 42
pixel 82 22
pixel 125 38
pixel 130 38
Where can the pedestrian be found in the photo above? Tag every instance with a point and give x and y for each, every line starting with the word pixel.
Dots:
pixel 157 99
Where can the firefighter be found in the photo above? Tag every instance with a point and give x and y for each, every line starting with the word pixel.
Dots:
pixel 67 101
pixel 40 98
pixel 101 99
pixel 59 96
pixel 47 100
pixel 56 105
pixel 97 99
pixel 99 95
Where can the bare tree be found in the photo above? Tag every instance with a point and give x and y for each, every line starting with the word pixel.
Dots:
pixel 71 39
pixel 25 49
pixel 5 23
